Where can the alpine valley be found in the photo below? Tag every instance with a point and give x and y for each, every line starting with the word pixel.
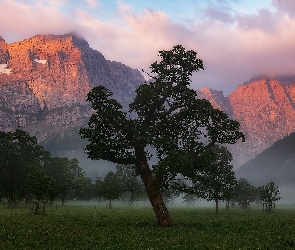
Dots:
pixel 44 81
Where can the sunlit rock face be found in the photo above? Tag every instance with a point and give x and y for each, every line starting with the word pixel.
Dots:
pixel 265 108
pixel 50 76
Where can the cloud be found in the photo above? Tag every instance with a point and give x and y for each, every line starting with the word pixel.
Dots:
pixel 264 20
pixel 287 6
pixel 219 14
pixel 233 46
pixel 20 20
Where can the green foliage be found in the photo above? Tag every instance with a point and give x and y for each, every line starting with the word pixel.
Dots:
pixel 215 180
pixel 130 181
pixel 165 115
pixel 244 193
pixel 67 173
pixel 111 187
pixel 269 194
pixel 85 190
pixel 41 185
pixel 20 155
pixel 189 199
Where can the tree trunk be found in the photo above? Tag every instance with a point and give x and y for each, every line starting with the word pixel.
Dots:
pixel 37 207
pixel 11 198
pixel 132 196
pixel 63 199
pixel 152 188
pixel 216 206
pixel 51 200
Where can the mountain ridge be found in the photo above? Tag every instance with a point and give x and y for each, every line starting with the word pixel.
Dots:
pixel 45 80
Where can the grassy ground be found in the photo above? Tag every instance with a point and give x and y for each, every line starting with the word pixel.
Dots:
pixel 74 227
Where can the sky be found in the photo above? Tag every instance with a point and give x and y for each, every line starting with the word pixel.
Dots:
pixel 236 39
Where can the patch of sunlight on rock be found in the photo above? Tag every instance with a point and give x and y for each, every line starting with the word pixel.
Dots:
pixel 41 61
pixel 4 69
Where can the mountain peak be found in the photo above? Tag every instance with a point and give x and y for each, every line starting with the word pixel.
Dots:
pixel 59 70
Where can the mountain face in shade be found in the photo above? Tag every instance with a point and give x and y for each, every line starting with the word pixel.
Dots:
pixel 275 163
pixel 44 81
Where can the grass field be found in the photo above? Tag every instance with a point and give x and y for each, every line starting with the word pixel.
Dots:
pixel 78 227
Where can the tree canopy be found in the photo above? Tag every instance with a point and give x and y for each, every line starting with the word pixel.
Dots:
pixel 27 169
pixel 215 179
pixel 269 194
pixel 244 193
pixel 20 155
pixel 166 115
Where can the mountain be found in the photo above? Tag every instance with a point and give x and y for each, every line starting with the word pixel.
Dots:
pixel 275 163
pixel 44 81
pixel 265 108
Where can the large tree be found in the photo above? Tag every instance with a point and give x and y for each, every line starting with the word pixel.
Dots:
pixel 165 116
pixel 112 187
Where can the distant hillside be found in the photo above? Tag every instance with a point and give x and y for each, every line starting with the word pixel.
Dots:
pixel 275 163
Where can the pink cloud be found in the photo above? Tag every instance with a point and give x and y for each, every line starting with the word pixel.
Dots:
pixel 263 20
pixel 20 20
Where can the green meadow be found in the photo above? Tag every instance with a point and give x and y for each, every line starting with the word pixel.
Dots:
pixel 98 227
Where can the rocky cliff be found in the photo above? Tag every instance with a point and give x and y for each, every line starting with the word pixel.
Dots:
pixel 44 81
pixel 265 108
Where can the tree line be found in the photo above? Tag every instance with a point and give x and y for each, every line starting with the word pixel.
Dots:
pixel 29 172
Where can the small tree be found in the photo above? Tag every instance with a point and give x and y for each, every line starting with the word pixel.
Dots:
pixel 169 194
pixel 269 194
pixel 216 179
pixel 67 173
pixel 84 191
pixel 129 179
pixel 189 199
pixel 244 193
pixel 41 186
pixel 111 188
